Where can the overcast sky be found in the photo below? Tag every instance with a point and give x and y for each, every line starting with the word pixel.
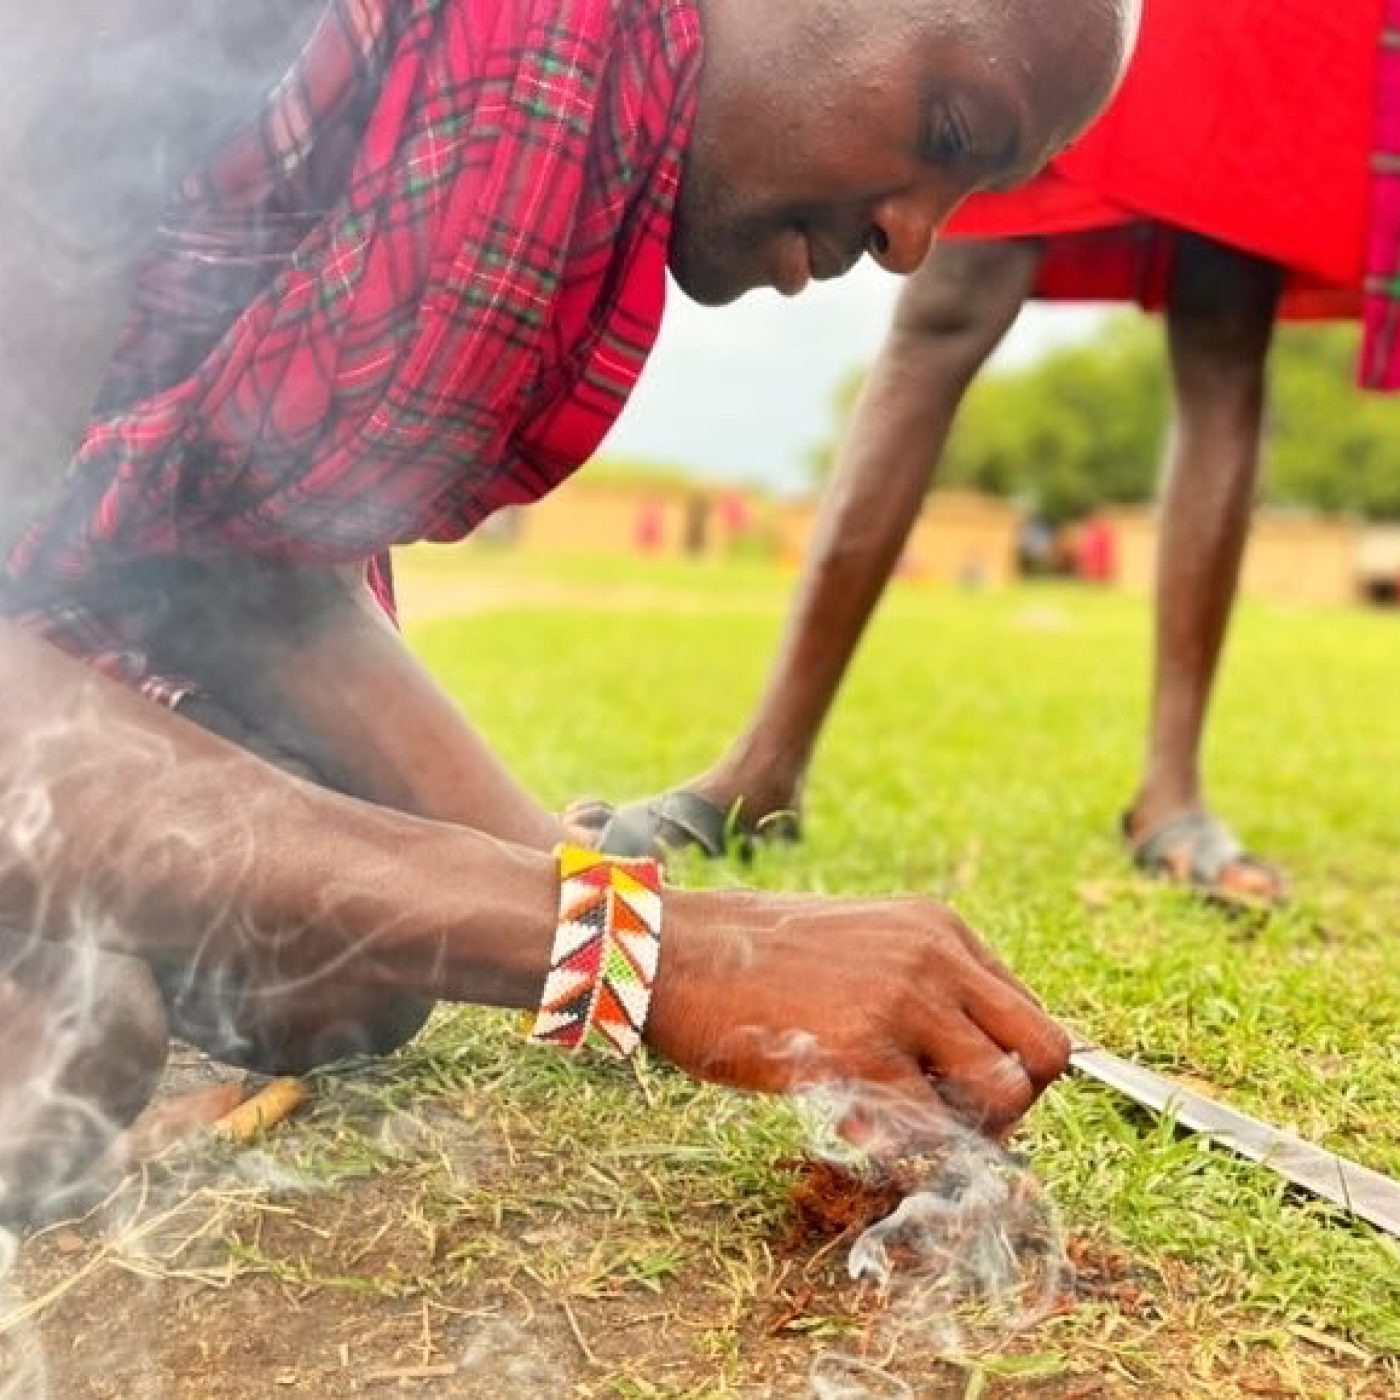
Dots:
pixel 743 392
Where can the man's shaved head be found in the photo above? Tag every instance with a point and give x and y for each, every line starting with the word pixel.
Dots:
pixel 1130 17
pixel 828 128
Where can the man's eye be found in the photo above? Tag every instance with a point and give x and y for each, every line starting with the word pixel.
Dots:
pixel 946 142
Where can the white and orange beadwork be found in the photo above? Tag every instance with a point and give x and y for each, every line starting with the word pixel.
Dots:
pixel 606 952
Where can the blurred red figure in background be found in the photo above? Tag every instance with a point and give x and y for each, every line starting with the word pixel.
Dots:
pixel 1096 550
pixel 649 532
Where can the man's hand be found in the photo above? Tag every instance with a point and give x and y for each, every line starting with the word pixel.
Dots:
pixel 894 1005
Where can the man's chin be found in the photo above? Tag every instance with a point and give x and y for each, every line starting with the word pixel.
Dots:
pixel 709 284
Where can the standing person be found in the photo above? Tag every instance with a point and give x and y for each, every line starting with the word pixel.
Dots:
pixel 410 287
pixel 1096 550
pixel 1248 203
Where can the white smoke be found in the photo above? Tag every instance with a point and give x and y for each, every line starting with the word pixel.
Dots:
pixel 972 1258
pixel 22 1372
pixel 82 1033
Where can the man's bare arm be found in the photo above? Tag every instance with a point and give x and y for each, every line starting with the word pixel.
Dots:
pixel 123 824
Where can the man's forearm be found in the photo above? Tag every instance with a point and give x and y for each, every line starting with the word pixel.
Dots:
pixel 127 828
pixel 127 825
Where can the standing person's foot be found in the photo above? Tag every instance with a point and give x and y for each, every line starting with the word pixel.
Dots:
pixel 1194 848
pixel 686 818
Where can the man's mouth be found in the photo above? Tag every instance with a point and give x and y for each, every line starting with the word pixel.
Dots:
pixel 803 258
pixel 828 260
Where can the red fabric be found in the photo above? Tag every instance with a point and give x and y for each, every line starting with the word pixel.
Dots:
pixel 1250 121
pixel 418 289
pixel 1380 357
pixel 1096 551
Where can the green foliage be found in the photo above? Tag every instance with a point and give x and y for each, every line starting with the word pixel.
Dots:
pixel 1079 428
pixel 1331 446
pixel 1084 426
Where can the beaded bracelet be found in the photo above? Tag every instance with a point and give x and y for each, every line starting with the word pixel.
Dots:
pixel 606 951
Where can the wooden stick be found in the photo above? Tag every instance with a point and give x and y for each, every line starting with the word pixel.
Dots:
pixel 264 1110
pixel 588 1353
pixel 443 1372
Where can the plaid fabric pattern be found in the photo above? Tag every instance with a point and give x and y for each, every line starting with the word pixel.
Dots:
pixel 1380 355
pixel 418 288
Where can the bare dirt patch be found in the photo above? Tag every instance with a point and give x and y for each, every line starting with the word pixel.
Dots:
pixel 469 1222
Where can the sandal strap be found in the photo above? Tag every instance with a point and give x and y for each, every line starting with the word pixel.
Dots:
pixel 636 829
pixel 705 823
pixel 681 819
pixel 592 813
pixel 1209 844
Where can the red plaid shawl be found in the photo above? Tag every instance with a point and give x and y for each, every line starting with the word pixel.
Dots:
pixel 1380 359
pixel 419 288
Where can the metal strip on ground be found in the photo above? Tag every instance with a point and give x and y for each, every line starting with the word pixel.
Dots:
pixel 1365 1193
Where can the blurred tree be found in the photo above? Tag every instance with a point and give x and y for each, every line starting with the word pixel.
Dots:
pixel 1331 447
pixel 1083 426
pixel 1079 428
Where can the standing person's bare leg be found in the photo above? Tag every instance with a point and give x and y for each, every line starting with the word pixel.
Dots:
pixel 1220 320
pixel 951 315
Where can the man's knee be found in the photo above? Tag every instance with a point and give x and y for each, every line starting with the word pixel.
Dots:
pixel 966 296
pixel 291 1028
pixel 1221 309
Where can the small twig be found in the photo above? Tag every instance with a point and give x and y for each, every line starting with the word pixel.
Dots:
pixel 439 1306
pixel 427 1338
pixel 366 1249
pixel 524 1299
pixel 588 1353
pixel 512 1156
pixel 795 1309
pixel 623 1323
pixel 269 1106
pixel 442 1372
pixel 845 1237
pixel 643 1082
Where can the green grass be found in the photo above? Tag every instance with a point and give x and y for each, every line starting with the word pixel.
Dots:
pixel 614 1230
pixel 982 751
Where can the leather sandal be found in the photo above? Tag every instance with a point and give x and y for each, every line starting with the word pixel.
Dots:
pixel 1196 849
pixel 679 820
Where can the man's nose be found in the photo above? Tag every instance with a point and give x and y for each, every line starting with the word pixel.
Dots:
pixel 903 228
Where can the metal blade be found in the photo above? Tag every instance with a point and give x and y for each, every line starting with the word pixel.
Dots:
pixel 1365 1193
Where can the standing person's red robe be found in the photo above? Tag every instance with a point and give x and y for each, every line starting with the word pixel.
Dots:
pixel 1250 121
